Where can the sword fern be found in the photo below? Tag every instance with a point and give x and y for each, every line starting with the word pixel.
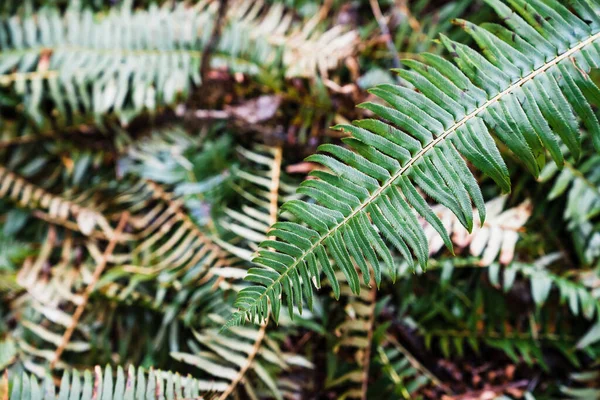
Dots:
pixel 529 85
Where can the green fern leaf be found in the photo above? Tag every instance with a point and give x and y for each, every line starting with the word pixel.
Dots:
pixel 135 383
pixel 529 85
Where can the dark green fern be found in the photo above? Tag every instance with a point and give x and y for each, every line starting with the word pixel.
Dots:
pixel 529 85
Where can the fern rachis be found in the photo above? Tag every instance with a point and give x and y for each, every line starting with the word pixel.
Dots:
pixel 528 100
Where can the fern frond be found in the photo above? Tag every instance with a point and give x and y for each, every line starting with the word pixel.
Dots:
pixel 450 315
pixel 307 50
pixel 580 299
pixel 313 53
pixel 577 295
pixel 230 358
pixel 405 373
pixel 59 58
pixel 355 333
pixel 262 186
pixel 498 235
pixel 518 346
pixel 58 288
pixel 126 61
pixel 581 187
pixel 583 385
pixel 54 208
pixel 182 260
pixel 157 215
pixel 244 359
pixel 529 87
pixel 50 292
pixel 96 384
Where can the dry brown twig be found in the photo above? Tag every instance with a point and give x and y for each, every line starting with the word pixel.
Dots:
pixel 90 288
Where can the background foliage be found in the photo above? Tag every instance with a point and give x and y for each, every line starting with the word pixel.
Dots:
pixel 147 147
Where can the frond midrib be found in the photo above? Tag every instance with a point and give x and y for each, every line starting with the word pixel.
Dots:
pixel 6 79
pixel 422 153
pixel 66 47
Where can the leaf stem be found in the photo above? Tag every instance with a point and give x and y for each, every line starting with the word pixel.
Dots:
pixel 90 288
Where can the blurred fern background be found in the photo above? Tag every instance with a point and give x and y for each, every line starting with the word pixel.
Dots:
pixel 147 146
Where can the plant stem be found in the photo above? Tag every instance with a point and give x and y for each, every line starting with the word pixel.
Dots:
pixel 90 288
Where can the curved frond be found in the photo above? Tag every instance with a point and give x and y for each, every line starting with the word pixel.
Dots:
pixel 529 85
pixel 53 208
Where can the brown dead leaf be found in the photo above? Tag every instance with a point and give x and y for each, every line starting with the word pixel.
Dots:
pixel 256 110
